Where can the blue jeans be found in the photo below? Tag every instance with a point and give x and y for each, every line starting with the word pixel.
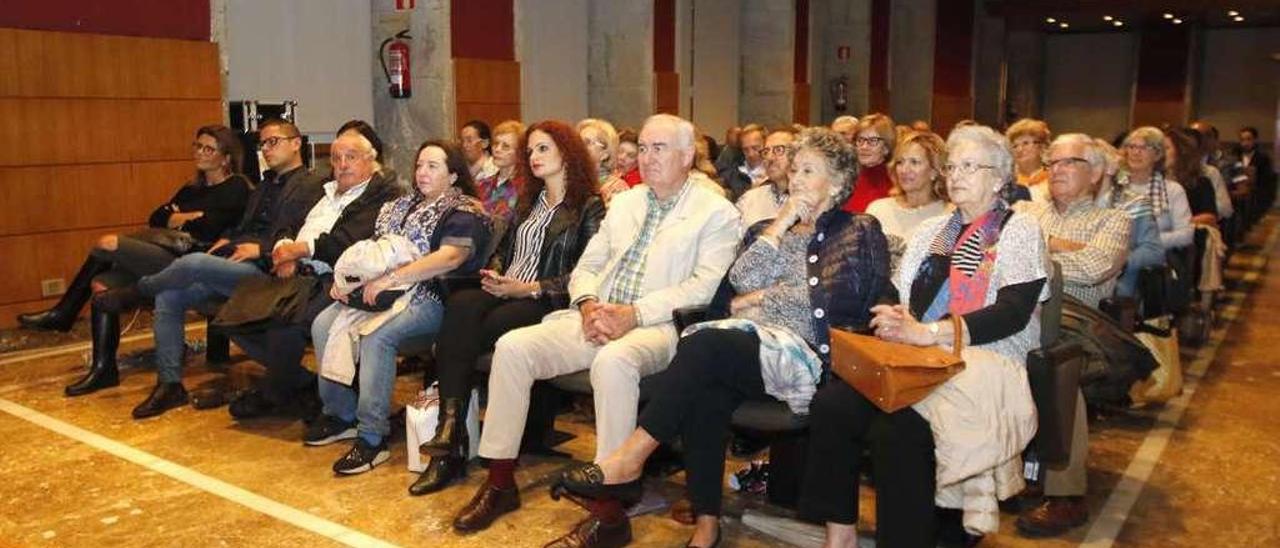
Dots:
pixel 183 285
pixel 377 367
pixel 216 273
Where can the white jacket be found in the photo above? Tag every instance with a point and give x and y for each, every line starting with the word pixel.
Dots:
pixel 691 251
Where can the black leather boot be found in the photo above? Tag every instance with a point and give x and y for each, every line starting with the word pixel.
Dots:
pixel 451 430
pixel 105 327
pixel 63 315
pixel 441 472
pixel 165 396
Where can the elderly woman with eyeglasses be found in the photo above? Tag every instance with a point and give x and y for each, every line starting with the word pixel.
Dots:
pixel 960 446
pixel 1145 163
pixel 1029 139
pixel 602 144
pixel 810 267
pixel 873 142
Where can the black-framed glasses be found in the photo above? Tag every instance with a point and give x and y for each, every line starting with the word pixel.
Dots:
pixel 776 150
pixel 964 169
pixel 271 142
pixel 200 148
pixel 867 141
pixel 1065 162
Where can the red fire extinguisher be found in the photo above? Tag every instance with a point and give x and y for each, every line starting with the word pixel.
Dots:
pixel 394 56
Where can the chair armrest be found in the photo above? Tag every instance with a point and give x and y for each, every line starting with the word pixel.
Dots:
pixel 689 315
pixel 1054 376
pixel 1124 310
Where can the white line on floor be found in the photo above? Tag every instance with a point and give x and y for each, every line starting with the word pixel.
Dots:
pixel 82 346
pixel 288 514
pixel 1111 518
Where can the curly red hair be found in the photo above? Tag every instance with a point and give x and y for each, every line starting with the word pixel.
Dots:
pixel 579 171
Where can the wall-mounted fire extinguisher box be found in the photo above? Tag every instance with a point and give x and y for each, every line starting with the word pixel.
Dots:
pixel 394 56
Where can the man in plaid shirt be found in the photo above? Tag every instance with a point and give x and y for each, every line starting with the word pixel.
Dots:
pixel 663 245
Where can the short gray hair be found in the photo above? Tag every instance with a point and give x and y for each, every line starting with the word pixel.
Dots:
pixel 607 133
pixel 685 132
pixel 1154 138
pixel 1096 157
pixel 991 142
pixel 846 119
pixel 838 155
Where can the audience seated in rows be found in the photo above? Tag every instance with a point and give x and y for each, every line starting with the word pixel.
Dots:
pixel 764 201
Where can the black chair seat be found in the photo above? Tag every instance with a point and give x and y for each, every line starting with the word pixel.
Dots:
pixel 768 417
pixel 580 383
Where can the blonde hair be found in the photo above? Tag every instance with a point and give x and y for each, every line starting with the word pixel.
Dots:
pixel 935 151
pixel 883 126
pixel 509 126
pixel 1037 129
pixel 609 136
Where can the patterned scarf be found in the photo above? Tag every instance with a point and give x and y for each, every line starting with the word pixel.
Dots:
pixel 408 216
pixel 954 278
pixel 1157 191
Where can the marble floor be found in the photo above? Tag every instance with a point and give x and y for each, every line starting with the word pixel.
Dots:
pixel 1199 471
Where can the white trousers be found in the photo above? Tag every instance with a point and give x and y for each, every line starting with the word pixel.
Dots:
pixel 557 347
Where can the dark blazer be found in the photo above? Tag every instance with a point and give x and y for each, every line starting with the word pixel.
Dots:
pixel 355 223
pixel 274 198
pixel 567 235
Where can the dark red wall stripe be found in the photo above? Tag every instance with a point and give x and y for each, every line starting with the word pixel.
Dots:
pixel 878 81
pixel 953 49
pixel 1162 63
pixel 179 19
pixel 802 42
pixel 483 29
pixel 664 35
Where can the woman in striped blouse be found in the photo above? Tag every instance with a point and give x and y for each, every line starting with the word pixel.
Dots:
pixel 558 211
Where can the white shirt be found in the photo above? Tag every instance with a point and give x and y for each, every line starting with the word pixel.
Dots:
pixel 322 217
pixel 484 169
pixel 760 203
pixel 901 221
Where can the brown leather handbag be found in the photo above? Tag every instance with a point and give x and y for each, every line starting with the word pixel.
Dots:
pixel 893 375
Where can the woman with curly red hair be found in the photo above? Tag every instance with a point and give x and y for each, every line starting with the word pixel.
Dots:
pixel 557 213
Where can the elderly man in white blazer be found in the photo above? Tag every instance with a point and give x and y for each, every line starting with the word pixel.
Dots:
pixel 664 244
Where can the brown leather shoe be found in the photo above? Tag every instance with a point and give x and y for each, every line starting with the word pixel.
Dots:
pixel 593 533
pixel 487 505
pixel 1055 516
pixel 682 512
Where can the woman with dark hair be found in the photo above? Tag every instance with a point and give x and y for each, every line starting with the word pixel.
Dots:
pixel 1182 148
pixel 811 267
pixel 557 214
pixel 445 228
pixel 477 142
pixel 202 209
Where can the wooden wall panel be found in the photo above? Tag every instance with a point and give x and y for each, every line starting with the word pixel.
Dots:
pixel 486 90
pixel 96 132
pixel 666 92
pixel 800 104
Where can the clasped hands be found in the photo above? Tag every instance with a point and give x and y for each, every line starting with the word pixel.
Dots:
pixel 604 322
pixel 285 258
pixel 894 323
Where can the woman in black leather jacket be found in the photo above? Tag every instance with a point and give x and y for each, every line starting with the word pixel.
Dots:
pixel 558 212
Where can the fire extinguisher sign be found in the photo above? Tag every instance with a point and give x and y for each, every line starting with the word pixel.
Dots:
pixel 405 5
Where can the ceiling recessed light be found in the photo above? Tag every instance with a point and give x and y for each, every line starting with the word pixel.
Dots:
pixel 1177 21
pixel 1107 17
pixel 1050 20
pixel 1168 16
pixel 1233 13
pixel 1238 19
pixel 1064 25
pixel 1118 23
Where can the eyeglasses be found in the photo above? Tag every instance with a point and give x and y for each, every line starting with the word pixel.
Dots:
pixel 1065 162
pixel 963 169
pixel 776 150
pixel 867 141
pixel 271 142
pixel 201 148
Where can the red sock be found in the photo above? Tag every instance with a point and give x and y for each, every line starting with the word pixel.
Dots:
pixel 502 473
pixel 610 511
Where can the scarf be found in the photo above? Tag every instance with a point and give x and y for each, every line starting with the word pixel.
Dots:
pixel 1157 191
pixel 408 216
pixel 954 277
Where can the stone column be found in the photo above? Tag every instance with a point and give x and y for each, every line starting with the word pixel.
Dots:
pixel 838 23
pixel 911 44
pixel 768 60
pixel 716 66
pixel 620 62
pixel 1024 75
pixel 429 113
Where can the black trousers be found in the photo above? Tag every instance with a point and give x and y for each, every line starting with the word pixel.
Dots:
pixel 714 371
pixel 842 422
pixel 473 322
pixel 280 349
pixel 132 259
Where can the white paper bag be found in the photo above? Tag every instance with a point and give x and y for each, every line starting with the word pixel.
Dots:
pixel 421 418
